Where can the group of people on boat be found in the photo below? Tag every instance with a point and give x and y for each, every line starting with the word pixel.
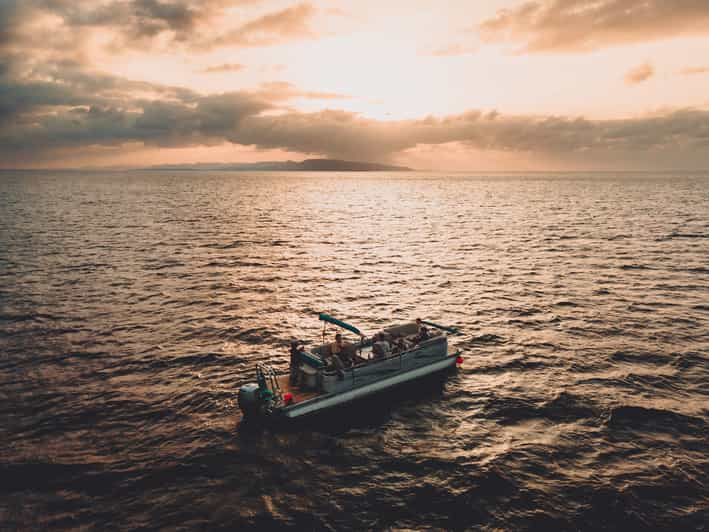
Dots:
pixel 338 358
pixel 384 345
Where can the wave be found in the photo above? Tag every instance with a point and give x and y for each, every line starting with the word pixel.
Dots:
pixel 29 316
pixel 641 358
pixel 488 339
pixel 627 417
pixel 691 360
pixel 564 407
pixel 635 267
pixel 520 364
pixel 688 235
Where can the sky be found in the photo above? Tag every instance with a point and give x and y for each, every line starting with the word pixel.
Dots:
pixel 455 85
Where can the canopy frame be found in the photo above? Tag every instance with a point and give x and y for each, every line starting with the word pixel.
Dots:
pixel 329 319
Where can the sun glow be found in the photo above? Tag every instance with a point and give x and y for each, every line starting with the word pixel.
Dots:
pixel 135 75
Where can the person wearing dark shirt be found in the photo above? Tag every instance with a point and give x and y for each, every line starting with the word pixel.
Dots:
pixel 295 351
pixel 421 331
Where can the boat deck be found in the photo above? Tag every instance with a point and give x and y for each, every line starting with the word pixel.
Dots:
pixel 298 394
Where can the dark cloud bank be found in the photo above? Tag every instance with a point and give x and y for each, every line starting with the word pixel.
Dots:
pixel 42 119
pixel 55 108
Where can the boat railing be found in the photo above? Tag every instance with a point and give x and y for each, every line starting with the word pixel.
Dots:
pixel 375 368
pixel 268 375
pixel 368 363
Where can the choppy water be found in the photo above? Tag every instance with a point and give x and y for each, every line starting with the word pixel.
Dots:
pixel 133 306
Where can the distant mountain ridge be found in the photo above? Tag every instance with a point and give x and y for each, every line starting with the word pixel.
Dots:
pixel 308 165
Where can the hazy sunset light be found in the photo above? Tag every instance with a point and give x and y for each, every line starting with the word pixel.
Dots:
pixel 556 84
pixel 366 265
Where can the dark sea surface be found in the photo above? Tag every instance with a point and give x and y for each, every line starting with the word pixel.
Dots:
pixel 134 305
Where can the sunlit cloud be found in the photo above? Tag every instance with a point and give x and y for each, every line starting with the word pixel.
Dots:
pixel 639 74
pixel 579 25
pixel 226 67
pixel 692 71
pixel 137 24
pixel 276 91
pixel 142 76
pixel 281 26
pixel 52 117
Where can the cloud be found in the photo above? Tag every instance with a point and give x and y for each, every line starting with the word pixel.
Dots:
pixel 692 71
pixel 274 28
pixel 148 18
pixel 135 19
pixel 160 123
pixel 9 17
pixel 138 24
pixel 276 91
pixel 53 106
pixel 639 74
pixel 75 111
pixel 67 107
pixel 68 84
pixel 582 25
pixel 18 98
pixel 226 67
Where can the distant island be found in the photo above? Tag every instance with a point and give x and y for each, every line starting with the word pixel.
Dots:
pixel 308 165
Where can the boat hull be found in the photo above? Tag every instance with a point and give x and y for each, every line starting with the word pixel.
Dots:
pixel 331 401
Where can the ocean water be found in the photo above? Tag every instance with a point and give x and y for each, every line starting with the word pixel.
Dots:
pixel 134 305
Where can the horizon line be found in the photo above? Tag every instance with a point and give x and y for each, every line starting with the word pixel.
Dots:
pixel 411 170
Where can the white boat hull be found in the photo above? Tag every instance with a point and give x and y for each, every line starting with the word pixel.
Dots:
pixel 326 402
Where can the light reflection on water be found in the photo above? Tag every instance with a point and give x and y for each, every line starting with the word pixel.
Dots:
pixel 133 306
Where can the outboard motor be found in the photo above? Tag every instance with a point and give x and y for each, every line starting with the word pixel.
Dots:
pixel 258 398
pixel 250 401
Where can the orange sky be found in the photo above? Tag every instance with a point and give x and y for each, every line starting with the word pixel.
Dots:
pixel 437 85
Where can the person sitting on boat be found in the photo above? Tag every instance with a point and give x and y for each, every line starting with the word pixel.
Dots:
pixel 380 346
pixel 296 348
pixel 335 359
pixel 400 344
pixel 337 347
pixel 421 331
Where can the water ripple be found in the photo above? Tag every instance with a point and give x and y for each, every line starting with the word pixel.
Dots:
pixel 133 306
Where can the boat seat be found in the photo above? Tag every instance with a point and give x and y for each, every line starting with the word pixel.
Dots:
pixel 407 329
pixel 308 377
pixel 433 339
pixel 312 359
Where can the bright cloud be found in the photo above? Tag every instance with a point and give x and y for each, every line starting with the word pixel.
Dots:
pixel 140 76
